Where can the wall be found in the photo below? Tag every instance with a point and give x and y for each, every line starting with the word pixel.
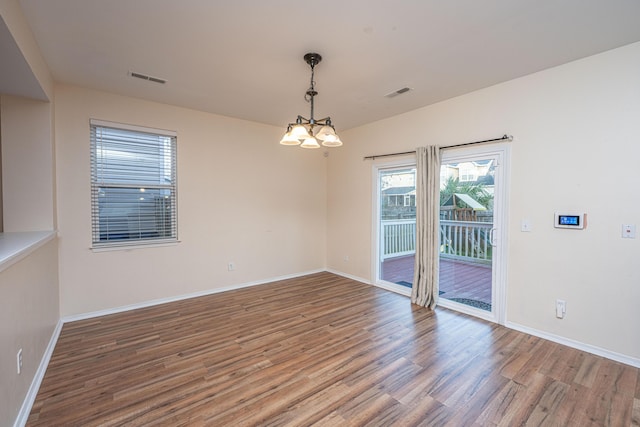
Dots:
pixel 576 147
pixel 28 316
pixel 242 197
pixel 36 82
pixel 27 164
pixel 29 298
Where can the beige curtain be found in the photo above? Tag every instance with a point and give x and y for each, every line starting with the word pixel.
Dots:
pixel 425 279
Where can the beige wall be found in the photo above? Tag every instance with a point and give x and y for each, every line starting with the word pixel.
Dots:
pixel 29 293
pixel 241 197
pixel 28 316
pixel 576 147
pixel 27 164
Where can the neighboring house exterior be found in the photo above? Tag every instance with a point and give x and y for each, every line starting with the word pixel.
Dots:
pixel 468 171
pixel 399 203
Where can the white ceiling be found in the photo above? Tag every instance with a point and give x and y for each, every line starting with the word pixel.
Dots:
pixel 243 58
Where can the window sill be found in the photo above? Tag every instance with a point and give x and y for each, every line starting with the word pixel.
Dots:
pixel 15 246
pixel 133 246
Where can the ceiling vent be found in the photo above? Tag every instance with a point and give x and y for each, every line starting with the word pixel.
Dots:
pixel 397 92
pixel 145 77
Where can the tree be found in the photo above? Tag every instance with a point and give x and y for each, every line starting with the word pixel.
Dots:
pixel 476 191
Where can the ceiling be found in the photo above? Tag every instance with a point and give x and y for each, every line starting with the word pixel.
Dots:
pixel 243 58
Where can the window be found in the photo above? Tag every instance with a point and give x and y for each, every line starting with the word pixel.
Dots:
pixel 468 172
pixel 410 200
pixel 133 185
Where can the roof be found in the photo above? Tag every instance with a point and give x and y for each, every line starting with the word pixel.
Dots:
pixel 468 200
pixel 399 191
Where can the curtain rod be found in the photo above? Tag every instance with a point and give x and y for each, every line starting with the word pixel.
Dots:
pixel 503 138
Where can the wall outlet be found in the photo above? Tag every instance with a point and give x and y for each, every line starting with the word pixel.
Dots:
pixel 345 258
pixel 561 308
pixel 231 266
pixel 628 231
pixel 19 361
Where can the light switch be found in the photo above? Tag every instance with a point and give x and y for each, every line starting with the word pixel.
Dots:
pixel 525 225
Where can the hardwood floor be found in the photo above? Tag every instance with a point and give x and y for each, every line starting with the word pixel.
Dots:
pixel 322 350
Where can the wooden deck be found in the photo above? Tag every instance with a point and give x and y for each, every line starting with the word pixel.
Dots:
pixel 458 279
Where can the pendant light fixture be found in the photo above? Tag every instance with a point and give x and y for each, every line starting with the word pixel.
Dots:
pixel 310 133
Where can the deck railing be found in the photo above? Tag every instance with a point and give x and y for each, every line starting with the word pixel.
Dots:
pixel 399 237
pixel 458 239
pixel 466 239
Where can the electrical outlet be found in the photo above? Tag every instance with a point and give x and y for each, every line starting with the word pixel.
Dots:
pixel 19 361
pixel 628 231
pixel 231 266
pixel 561 308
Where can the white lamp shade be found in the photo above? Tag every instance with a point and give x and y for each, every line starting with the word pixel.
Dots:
pixel 300 132
pixel 332 141
pixel 325 132
pixel 289 139
pixel 310 142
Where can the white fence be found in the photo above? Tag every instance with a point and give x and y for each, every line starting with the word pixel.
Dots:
pixel 458 239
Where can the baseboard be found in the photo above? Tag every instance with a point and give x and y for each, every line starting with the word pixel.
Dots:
pixel 349 276
pixel 406 293
pixel 627 360
pixel 25 409
pixel 151 303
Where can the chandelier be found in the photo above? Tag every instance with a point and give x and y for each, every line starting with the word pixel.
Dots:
pixel 310 133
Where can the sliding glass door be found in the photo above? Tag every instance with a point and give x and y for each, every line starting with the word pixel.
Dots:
pixel 471 230
pixel 472 212
pixel 396 226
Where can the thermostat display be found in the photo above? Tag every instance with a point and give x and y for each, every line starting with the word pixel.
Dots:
pixel 570 220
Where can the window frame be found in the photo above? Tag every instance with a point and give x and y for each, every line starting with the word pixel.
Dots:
pixel 100 243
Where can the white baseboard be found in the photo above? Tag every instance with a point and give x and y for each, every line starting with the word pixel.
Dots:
pixel 25 409
pixel 404 291
pixel 349 276
pixel 627 360
pixel 144 304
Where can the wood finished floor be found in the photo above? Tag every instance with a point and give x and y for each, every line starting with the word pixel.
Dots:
pixel 322 350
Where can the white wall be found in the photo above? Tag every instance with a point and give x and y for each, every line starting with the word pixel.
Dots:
pixel 242 197
pixel 577 146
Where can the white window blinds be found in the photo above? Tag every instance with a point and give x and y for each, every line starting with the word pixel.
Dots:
pixel 133 185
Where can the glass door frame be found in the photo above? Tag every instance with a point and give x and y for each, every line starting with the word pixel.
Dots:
pixel 376 224
pixel 500 152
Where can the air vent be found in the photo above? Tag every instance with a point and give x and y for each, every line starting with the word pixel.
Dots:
pixel 149 78
pixel 397 92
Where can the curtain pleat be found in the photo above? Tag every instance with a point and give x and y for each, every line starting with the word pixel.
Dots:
pixel 426 273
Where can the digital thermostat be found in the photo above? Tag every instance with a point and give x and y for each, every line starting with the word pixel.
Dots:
pixel 570 220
